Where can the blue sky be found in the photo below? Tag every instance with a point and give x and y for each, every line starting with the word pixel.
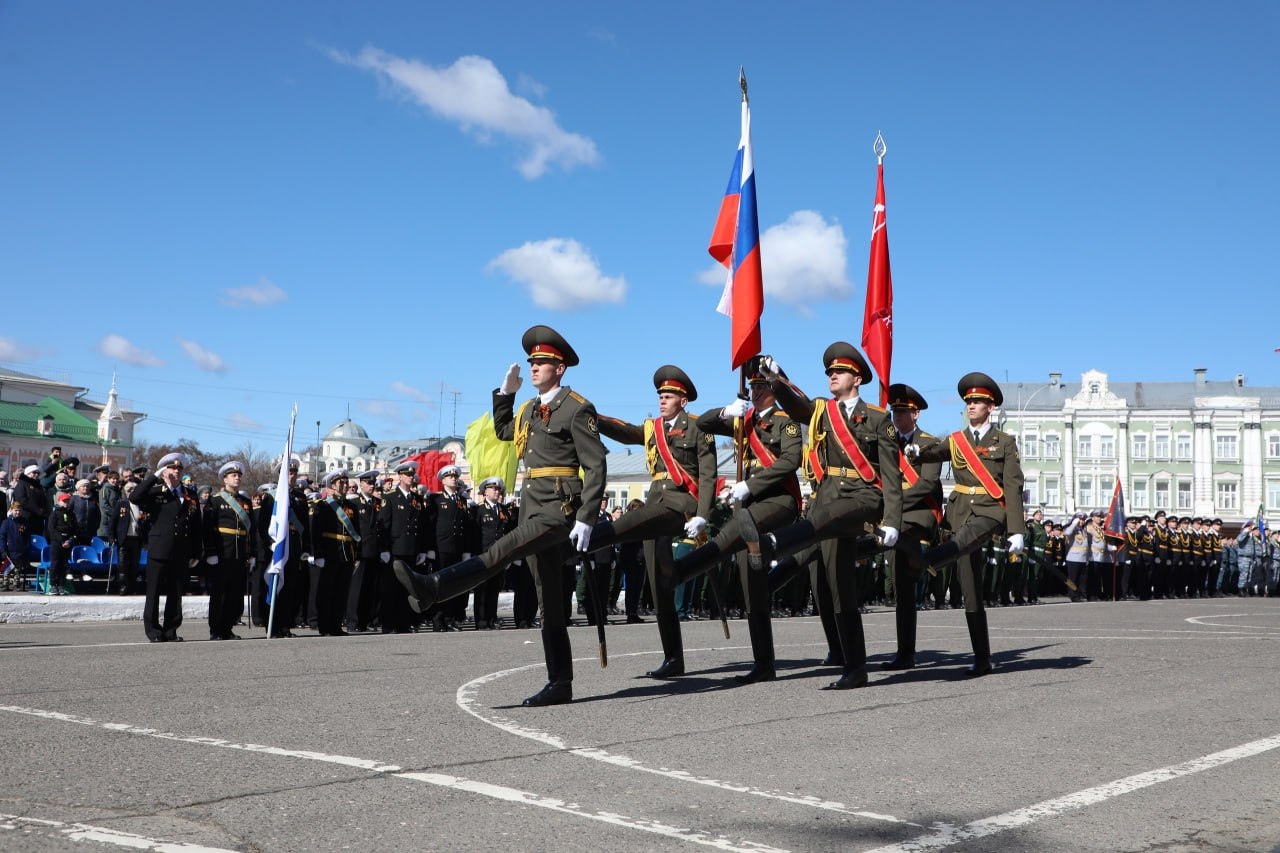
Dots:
pixel 362 207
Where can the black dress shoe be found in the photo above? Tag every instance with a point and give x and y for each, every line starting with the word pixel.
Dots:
pixel 978 670
pixel 632 619
pixel 758 673
pixel 339 633
pixel 849 681
pixel 669 668
pixel 155 639
pixel 899 662
pixel 216 637
pixel 174 639
pixel 833 659
pixel 555 693
pixel 230 636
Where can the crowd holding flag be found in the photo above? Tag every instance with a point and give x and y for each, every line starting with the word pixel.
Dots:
pixel 278 529
pixel 1114 525
pixel 877 318
pixel 735 243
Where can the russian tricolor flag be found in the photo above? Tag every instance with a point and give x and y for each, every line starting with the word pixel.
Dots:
pixel 735 243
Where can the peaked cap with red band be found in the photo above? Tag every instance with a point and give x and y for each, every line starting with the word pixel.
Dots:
pixel 980 386
pixel 546 342
pixel 905 397
pixel 673 379
pixel 844 356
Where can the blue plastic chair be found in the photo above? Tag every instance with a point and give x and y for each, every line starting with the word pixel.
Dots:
pixel 42 569
pixel 98 544
pixel 85 555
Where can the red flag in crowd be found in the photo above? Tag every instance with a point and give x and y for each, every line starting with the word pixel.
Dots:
pixel 877 318
pixel 429 463
pixel 1114 525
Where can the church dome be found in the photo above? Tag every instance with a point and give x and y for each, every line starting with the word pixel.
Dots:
pixel 349 432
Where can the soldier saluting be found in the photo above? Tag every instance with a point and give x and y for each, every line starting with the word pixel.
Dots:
pixel 557 435
pixel 986 500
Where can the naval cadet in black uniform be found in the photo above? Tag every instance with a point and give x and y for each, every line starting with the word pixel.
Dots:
pixel 228 550
pixel 403 515
pixel 453 538
pixel 362 598
pixel 493 520
pixel 290 594
pixel 173 545
pixel 557 437
pixel 682 463
pixel 335 536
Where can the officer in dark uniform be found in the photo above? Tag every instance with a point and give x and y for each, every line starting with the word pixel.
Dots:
pixel 453 538
pixel 403 516
pixel 557 436
pixel 335 535
pixel 986 500
pixel 682 463
pixel 493 520
pixel 770 493
pixel 362 598
pixel 921 514
pixel 228 550
pixel 291 593
pixel 173 545
pixel 852 454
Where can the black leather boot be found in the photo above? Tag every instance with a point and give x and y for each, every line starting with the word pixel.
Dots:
pixel 782 573
pixel 672 647
pixel 905 621
pixel 981 644
pixel 761 630
pixel 853 645
pixel 559 655
pixel 792 538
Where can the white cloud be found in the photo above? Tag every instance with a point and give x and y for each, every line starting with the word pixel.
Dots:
pixel 265 292
pixel 203 358
pixel 11 350
pixel 240 420
pixel 410 392
pixel 803 260
pixel 473 94
pixel 120 349
pixel 560 274
pixel 529 86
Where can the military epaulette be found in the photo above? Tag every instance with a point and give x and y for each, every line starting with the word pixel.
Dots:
pixel 875 408
pixel 575 396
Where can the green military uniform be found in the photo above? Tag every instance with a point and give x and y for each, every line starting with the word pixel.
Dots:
pixel 673 499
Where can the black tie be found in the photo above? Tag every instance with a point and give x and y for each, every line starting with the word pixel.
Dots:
pixel 976 437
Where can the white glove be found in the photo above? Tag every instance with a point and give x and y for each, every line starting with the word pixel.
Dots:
pixel 1015 543
pixel 517 562
pixel 889 536
pixel 318 562
pixel 431 555
pixel 736 409
pixel 253 562
pixel 911 451
pixel 306 558
pixel 466 555
pixel 511 382
pixel 693 527
pixel 770 369
pixel 192 563
pixel 384 557
pixel 212 560
pixel 422 558
pixel 580 536
pixel 740 491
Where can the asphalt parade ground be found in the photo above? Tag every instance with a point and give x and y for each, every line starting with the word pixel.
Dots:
pixel 1141 726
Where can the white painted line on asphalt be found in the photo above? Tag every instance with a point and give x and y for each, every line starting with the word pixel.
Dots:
pixel 498 792
pixel 84 832
pixel 466 698
pixel 947 836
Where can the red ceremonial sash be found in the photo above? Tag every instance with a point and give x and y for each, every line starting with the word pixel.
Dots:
pixel 765 456
pixel 960 441
pixel 912 476
pixel 861 464
pixel 679 476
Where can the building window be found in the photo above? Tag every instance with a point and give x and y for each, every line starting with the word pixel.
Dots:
pixel 1162 494
pixel 1030 445
pixel 1161 447
pixel 1273 494
pixel 1107 446
pixel 1225 447
pixel 1273 446
pixel 1084 446
pixel 1184 495
pixel 1139 447
pixel 1183 445
pixel 1140 497
pixel 1051 450
pixel 1051 496
pixel 1084 492
pixel 1228 497
pixel 1029 493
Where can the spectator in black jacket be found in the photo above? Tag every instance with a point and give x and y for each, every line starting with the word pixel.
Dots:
pixel 62 536
pixel 128 530
pixel 15 538
pixel 29 495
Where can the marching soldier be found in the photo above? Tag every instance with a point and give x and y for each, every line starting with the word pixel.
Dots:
pixel 173 545
pixel 362 597
pixel 769 494
pixel 229 552
pixel 493 520
pixel 852 454
pixel 557 436
pixel 921 515
pixel 403 517
pixel 335 536
pixel 987 499
pixel 682 463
